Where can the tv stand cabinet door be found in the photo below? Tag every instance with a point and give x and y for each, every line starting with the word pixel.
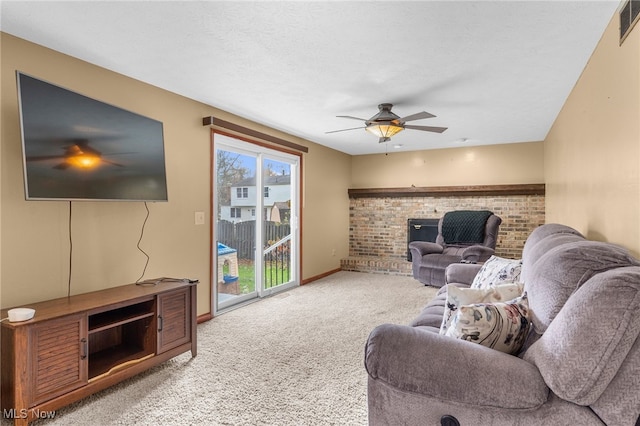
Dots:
pixel 174 319
pixel 58 357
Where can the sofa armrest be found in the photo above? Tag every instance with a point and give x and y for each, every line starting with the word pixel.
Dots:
pixel 461 273
pixel 441 367
pixel 477 253
pixel 421 248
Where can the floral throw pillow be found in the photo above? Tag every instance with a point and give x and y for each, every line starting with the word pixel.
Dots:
pixel 497 270
pixel 502 326
pixel 457 297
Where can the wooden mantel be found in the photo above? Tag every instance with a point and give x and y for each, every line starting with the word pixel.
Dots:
pixel 447 191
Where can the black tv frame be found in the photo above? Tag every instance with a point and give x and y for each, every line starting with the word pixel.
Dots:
pixel 56 123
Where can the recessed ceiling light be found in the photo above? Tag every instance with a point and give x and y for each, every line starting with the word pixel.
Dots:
pixel 398 145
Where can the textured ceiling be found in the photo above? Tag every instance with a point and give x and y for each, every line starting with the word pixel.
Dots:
pixel 491 71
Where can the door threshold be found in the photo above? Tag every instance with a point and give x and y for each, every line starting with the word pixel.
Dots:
pixel 282 293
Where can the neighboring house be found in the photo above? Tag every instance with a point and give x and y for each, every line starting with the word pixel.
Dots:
pixel 276 198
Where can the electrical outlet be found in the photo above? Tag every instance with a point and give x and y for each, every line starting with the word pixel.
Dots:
pixel 199 218
pixel 333 252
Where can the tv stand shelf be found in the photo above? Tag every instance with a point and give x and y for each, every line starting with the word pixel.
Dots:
pixel 75 346
pixel 119 321
pixel 116 317
pixel 113 359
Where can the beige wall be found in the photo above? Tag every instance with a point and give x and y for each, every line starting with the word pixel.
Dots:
pixel 326 212
pixel 519 163
pixel 592 153
pixel 34 242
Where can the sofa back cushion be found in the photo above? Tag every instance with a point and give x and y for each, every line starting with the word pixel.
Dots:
pixel 586 344
pixel 543 231
pixel 541 240
pixel 562 270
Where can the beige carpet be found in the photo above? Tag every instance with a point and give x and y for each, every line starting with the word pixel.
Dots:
pixel 293 359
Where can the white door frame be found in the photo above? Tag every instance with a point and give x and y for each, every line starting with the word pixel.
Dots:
pixel 230 143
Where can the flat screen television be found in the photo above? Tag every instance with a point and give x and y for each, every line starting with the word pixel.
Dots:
pixel 78 148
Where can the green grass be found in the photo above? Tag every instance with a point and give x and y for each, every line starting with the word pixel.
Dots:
pixel 246 280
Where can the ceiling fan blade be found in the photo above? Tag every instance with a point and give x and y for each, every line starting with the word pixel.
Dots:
pixel 45 157
pixel 344 130
pixel 351 117
pixel 113 163
pixel 426 128
pixel 417 116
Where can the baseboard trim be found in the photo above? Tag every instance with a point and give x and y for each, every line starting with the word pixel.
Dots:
pixel 317 277
pixel 204 317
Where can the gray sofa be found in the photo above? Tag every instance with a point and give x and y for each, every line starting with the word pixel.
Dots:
pixel 580 364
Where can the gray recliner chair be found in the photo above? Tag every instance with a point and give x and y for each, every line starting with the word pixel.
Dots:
pixel 463 235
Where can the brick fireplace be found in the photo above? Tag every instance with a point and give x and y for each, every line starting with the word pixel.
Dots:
pixel 378 220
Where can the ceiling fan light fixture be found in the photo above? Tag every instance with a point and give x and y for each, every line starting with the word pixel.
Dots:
pixel 84 161
pixel 384 129
pixel 386 124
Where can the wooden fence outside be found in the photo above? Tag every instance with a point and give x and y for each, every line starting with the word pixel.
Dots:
pixel 242 235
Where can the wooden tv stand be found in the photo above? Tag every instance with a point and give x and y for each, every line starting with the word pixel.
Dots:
pixel 75 346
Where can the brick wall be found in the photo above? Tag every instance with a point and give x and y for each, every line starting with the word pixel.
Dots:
pixel 378 226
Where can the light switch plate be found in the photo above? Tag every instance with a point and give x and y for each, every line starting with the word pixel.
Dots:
pixel 199 218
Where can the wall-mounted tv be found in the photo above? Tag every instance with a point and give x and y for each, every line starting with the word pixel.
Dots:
pixel 78 148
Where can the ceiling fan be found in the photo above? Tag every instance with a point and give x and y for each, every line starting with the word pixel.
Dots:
pixel 78 155
pixel 386 124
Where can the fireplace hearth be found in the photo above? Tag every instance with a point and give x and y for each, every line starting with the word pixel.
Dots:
pixel 421 230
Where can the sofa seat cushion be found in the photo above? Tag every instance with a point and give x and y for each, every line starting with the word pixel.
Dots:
pixel 441 261
pixel 562 270
pixel 431 315
pixel 412 360
pixel 584 347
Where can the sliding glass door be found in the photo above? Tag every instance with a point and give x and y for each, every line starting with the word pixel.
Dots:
pixel 256 206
